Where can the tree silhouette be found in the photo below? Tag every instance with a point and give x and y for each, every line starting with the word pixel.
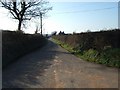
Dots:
pixel 22 10
pixel 61 33
pixel 54 33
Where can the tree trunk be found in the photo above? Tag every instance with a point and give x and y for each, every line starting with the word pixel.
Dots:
pixel 19 25
pixel 41 22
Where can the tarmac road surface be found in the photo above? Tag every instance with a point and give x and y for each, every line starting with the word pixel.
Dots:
pixel 54 67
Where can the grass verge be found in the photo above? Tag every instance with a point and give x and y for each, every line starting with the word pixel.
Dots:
pixel 109 57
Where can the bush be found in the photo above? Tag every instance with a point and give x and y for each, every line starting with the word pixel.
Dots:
pixel 101 47
pixel 92 40
pixel 15 45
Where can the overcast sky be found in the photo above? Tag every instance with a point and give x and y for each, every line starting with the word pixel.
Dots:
pixel 71 17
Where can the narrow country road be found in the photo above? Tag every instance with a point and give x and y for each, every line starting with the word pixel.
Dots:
pixel 54 67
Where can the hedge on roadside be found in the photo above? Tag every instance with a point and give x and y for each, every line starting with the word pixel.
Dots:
pixel 15 45
pixel 92 40
pixel 100 47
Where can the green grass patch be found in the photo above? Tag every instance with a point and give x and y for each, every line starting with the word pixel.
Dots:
pixel 109 57
pixel 64 45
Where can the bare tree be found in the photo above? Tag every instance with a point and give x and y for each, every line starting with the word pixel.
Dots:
pixel 23 10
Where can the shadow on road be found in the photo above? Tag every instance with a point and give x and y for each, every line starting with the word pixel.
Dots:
pixel 52 66
pixel 26 71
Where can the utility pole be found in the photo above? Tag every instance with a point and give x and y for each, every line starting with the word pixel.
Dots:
pixel 41 22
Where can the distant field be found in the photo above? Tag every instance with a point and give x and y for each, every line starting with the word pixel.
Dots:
pixel 101 47
pixel 15 45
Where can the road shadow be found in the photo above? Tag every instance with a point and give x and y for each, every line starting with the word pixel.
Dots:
pixel 26 71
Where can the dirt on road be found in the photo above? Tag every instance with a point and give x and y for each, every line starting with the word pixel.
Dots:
pixel 54 67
